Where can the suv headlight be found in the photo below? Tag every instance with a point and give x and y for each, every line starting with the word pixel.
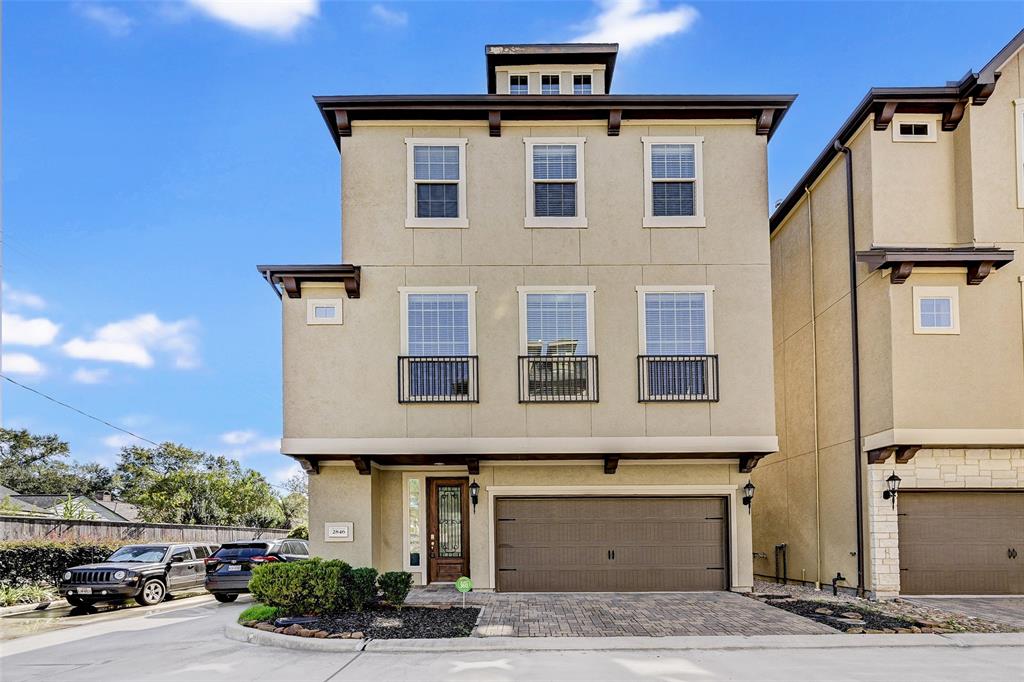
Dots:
pixel 120 575
pixel 67 575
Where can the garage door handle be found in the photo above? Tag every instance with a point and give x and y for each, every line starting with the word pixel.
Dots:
pixel 1011 553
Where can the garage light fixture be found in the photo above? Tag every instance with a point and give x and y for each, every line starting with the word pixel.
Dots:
pixel 748 496
pixel 474 494
pixel 892 485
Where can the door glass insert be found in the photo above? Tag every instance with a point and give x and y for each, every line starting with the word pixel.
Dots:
pixel 414 522
pixel 449 521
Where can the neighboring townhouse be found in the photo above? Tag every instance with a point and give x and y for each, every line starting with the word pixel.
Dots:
pixel 913 379
pixel 545 362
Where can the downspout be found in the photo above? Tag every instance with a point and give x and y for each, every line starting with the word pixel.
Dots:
pixel 814 392
pixel 855 350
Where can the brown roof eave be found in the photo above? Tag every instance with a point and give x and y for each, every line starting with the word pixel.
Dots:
pixel 291 277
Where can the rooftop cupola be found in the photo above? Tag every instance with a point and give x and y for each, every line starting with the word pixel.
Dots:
pixel 550 69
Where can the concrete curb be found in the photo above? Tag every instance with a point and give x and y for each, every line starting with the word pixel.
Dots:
pixel 712 642
pixel 25 608
pixel 240 633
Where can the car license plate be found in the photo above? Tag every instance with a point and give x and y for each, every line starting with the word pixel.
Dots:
pixel 84 590
pixel 234 568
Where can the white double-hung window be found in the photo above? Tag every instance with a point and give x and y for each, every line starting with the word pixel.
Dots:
pixel 438 344
pixel 436 194
pixel 673 182
pixel 556 344
pixel 554 170
pixel 677 360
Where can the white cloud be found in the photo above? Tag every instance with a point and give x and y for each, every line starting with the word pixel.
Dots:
pixel 280 18
pixel 635 23
pixel 22 363
pixel 110 18
pixel 390 17
pixel 23 331
pixel 122 440
pixel 247 442
pixel 19 298
pixel 134 341
pixel 90 376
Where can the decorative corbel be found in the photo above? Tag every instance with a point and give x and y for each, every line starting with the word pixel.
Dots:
pixel 614 122
pixel 291 287
pixel 951 119
pixel 352 285
pixel 905 453
pixel 611 463
pixel 310 466
pixel 362 465
pixel 748 462
pixel 900 272
pixel 879 455
pixel 984 92
pixel 494 123
pixel 978 271
pixel 764 121
pixel 473 466
pixel 883 119
pixel 342 123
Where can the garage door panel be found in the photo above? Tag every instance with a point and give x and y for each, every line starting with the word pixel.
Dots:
pixel 956 542
pixel 563 544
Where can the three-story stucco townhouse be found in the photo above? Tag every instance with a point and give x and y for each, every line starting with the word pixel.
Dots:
pixel 546 361
pixel 899 359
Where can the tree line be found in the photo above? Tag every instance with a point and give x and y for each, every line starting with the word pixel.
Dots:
pixel 169 483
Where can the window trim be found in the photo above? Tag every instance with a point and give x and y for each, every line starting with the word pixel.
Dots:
pixel 518 74
pixel 930 121
pixel 952 293
pixel 1018 112
pixel 313 303
pixel 524 291
pixel 589 75
pixel 696 220
pixel 557 75
pixel 404 316
pixel 462 221
pixel 577 221
pixel 709 313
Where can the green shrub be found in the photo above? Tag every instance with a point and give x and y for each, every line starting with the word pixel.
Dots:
pixel 300 588
pixel 260 612
pixel 300 532
pixel 25 562
pixel 363 588
pixel 11 595
pixel 395 586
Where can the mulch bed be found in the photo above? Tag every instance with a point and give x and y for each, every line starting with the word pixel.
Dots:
pixel 411 622
pixel 834 615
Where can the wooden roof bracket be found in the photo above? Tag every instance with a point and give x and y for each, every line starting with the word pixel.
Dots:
pixel 473 466
pixel 309 465
pixel 494 123
pixel 977 272
pixel 748 462
pixel 901 272
pixel 764 121
pixel 951 119
pixel 904 453
pixel 883 119
pixel 614 122
pixel 611 464
pixel 362 463
pixel 342 123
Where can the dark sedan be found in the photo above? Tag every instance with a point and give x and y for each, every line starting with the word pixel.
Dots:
pixel 146 573
pixel 229 569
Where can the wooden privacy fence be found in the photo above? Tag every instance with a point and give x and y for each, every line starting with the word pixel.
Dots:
pixel 22 528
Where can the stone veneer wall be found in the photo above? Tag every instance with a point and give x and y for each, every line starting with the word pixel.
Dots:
pixel 983 468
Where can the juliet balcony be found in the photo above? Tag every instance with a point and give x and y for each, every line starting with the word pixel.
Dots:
pixel 677 378
pixel 558 379
pixel 438 379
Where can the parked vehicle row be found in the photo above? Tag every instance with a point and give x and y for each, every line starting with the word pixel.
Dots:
pixel 150 572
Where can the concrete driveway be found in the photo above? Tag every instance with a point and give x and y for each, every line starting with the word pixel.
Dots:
pixel 1008 610
pixel 611 614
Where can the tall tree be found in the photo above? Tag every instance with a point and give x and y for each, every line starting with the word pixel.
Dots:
pixel 39 465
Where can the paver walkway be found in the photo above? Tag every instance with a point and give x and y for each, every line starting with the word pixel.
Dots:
pixel 613 614
pixel 1008 610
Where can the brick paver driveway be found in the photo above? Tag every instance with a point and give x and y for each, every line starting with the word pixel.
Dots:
pixel 611 614
pixel 1008 610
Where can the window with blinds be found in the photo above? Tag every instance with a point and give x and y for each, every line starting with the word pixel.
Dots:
pixel 675 365
pixel 582 84
pixel 554 180
pixel 556 324
pixel 674 179
pixel 675 323
pixel 518 84
pixel 549 84
pixel 438 324
pixel 436 173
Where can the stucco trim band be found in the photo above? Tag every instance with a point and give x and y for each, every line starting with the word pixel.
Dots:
pixel 512 446
pixel 992 438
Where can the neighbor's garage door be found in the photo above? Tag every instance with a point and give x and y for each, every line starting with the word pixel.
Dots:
pixel 611 544
pixel 961 542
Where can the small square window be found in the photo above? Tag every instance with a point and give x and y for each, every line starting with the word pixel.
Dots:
pixel 549 84
pixel 519 84
pixel 936 310
pixel 323 311
pixel 913 128
pixel 582 84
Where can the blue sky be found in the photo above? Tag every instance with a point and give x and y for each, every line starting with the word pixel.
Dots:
pixel 155 152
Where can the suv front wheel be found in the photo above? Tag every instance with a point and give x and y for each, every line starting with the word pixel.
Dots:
pixel 153 592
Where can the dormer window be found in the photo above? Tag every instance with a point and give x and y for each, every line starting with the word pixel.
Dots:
pixel 518 84
pixel 549 84
pixel 582 84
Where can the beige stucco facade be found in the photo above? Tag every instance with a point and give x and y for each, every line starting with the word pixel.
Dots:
pixel 959 396
pixel 340 393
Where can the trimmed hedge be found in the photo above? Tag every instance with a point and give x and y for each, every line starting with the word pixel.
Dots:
pixel 395 586
pixel 316 587
pixel 24 562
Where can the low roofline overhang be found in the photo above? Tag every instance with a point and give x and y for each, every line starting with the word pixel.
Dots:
pixel 980 261
pixel 290 278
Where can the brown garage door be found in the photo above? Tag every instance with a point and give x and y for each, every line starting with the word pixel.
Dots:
pixel 961 542
pixel 611 544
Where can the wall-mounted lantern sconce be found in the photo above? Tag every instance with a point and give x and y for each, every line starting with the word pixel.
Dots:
pixel 474 494
pixel 748 496
pixel 892 485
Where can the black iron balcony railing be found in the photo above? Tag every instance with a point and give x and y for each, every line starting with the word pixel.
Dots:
pixel 438 379
pixel 558 379
pixel 677 378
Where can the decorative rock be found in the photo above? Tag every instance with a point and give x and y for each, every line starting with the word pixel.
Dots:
pixel 336 635
pixel 889 631
pixel 266 627
pixel 824 612
pixel 293 629
pixel 871 631
pixel 855 631
pixel 357 635
pixel 304 632
pixel 851 614
pixel 279 631
pixel 904 631
pixel 444 607
pixel 321 634
pixel 914 628
pixel 249 623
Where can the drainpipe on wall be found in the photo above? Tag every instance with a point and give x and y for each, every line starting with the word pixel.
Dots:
pixel 855 349
pixel 814 393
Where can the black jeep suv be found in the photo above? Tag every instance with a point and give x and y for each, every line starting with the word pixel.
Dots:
pixel 147 573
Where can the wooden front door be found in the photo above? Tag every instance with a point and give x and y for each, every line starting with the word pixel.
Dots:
pixel 448 529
